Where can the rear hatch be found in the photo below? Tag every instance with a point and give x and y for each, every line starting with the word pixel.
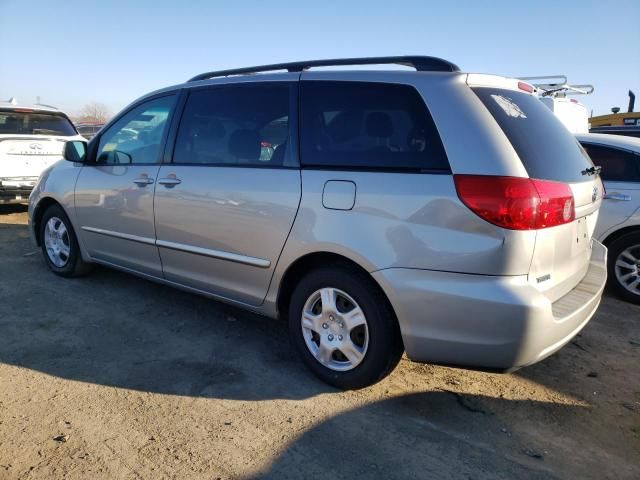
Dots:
pixel 28 156
pixel 30 141
pixel 549 152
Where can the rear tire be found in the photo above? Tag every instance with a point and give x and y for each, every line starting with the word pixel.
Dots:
pixel 624 267
pixel 60 245
pixel 344 328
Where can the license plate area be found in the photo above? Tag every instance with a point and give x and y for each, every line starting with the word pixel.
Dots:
pixel 561 258
pixel 582 234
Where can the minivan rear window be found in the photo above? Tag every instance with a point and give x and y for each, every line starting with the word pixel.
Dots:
pixel 366 125
pixel 546 148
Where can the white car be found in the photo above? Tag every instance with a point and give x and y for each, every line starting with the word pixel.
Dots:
pixel 618 226
pixel 31 138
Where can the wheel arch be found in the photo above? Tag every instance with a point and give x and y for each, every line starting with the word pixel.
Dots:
pixel 613 236
pixel 38 212
pixel 307 263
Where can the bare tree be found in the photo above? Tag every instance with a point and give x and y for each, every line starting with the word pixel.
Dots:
pixel 94 112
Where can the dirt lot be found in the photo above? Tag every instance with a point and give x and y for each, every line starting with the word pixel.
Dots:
pixel 110 376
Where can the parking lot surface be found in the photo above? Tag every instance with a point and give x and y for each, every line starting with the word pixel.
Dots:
pixel 111 376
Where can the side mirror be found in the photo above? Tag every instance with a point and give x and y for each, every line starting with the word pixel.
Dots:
pixel 114 157
pixel 75 151
pixel 122 157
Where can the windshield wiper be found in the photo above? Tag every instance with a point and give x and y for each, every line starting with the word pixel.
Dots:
pixel 592 170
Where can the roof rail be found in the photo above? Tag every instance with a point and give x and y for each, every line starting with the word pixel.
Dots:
pixel 559 87
pixel 420 63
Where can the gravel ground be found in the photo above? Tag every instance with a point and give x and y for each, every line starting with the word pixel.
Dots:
pixel 111 376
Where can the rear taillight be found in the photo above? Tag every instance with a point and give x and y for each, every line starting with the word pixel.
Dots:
pixel 557 206
pixel 525 87
pixel 517 203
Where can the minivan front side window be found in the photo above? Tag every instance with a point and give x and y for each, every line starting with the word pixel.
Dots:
pixel 136 137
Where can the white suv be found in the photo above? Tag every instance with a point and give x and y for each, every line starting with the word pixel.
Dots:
pixel 31 138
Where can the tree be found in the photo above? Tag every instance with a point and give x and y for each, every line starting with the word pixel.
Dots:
pixel 94 112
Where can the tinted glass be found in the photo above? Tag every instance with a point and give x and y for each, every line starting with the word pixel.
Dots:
pixel 368 125
pixel 626 131
pixel 137 136
pixel 89 129
pixel 231 125
pixel 547 149
pixel 617 165
pixel 30 123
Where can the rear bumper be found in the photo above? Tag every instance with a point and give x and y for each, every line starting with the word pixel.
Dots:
pixel 15 195
pixel 16 190
pixel 488 322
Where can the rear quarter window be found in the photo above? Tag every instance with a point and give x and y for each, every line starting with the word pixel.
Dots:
pixel 546 148
pixel 362 125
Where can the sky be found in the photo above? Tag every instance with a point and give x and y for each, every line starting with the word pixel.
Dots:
pixel 70 53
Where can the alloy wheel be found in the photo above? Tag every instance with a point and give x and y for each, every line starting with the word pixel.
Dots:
pixel 627 269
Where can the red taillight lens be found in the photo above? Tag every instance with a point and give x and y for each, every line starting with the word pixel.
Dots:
pixel 525 87
pixel 517 203
pixel 557 206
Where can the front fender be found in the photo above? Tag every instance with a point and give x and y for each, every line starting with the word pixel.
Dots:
pixel 55 185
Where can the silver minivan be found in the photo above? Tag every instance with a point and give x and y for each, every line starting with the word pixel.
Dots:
pixel 444 214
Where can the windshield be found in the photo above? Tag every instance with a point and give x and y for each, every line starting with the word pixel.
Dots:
pixel 35 123
pixel 546 148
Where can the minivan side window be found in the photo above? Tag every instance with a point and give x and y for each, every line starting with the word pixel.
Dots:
pixel 365 125
pixel 617 165
pixel 137 136
pixel 235 125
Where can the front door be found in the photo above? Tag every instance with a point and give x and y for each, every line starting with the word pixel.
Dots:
pixel 114 193
pixel 225 205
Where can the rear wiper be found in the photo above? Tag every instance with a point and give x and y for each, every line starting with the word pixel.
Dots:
pixel 592 170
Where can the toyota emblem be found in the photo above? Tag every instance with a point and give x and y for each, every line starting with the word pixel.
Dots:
pixel 35 146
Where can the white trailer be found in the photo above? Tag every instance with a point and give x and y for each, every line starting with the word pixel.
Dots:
pixel 554 92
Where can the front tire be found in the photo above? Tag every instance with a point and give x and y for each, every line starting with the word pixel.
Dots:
pixel 624 267
pixel 343 327
pixel 60 245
